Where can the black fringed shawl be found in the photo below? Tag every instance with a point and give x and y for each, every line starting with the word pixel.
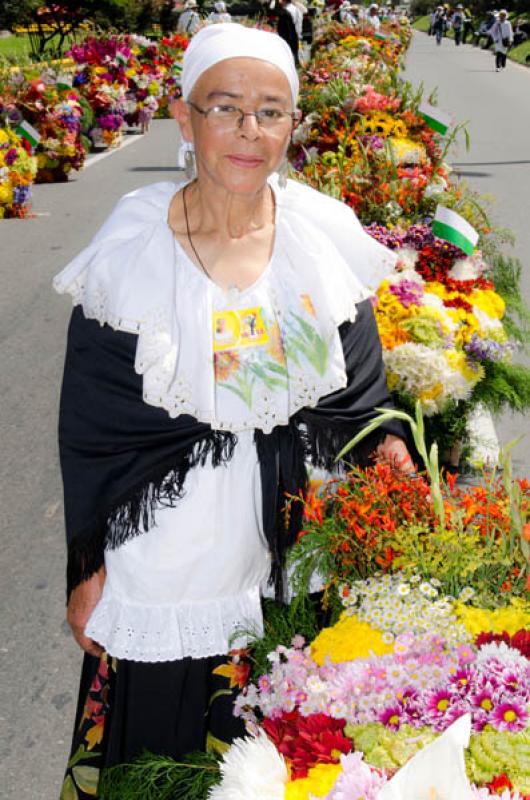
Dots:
pixel 122 458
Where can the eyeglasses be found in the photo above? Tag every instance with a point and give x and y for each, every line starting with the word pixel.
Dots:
pixel 227 117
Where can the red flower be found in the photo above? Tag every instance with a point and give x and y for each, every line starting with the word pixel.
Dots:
pixel 306 741
pixel 500 783
pixel 521 641
pixel 488 638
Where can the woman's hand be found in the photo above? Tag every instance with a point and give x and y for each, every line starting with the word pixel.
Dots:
pixel 394 450
pixel 82 602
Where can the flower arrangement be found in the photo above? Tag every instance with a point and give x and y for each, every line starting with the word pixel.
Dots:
pixel 450 324
pixel 53 108
pixel 18 168
pixel 101 78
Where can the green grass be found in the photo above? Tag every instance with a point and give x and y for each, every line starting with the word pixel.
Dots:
pixel 422 24
pixel 520 53
pixel 15 48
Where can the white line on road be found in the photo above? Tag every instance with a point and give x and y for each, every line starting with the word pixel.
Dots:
pixel 100 156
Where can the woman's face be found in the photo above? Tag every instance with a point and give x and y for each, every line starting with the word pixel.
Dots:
pixel 238 159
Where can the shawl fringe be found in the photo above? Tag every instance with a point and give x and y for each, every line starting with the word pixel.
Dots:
pixel 323 442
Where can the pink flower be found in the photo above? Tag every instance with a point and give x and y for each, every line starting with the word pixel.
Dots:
pixel 510 716
pixel 264 683
pixel 391 717
pixel 465 654
pixel 439 702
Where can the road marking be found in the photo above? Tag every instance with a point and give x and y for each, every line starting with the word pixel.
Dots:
pixel 100 156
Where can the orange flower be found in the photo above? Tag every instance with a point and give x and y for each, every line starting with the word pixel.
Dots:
pixel 526 532
pixel 225 363
pixel 308 304
pixel 237 670
pixel 275 348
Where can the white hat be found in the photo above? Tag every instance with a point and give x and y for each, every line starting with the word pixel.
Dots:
pixel 230 40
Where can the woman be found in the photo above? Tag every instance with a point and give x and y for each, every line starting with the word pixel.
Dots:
pixel 221 339
pixel 190 20
pixel 219 14
pixel 502 36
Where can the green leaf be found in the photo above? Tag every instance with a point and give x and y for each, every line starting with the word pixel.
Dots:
pixel 219 693
pixel 68 791
pixel 80 755
pixel 215 745
pixel 87 779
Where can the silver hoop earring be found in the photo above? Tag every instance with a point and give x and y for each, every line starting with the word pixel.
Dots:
pixel 283 172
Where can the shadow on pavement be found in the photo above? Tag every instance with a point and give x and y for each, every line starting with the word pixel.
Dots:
pixel 489 163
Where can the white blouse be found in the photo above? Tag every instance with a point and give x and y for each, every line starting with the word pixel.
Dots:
pixel 238 360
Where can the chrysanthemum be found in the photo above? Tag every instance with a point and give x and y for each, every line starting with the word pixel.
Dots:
pixel 511 716
pixel 391 717
pixel 251 767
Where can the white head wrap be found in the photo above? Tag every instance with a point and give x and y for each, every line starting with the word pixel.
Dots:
pixel 228 40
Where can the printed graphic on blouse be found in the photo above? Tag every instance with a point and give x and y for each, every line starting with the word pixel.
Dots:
pixel 252 350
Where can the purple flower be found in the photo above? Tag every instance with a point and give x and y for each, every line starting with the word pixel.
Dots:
pixel 438 702
pixel 460 680
pixel 483 700
pixel 483 349
pixel 510 716
pixel 408 293
pixel 21 195
pixel 11 156
pixel 391 717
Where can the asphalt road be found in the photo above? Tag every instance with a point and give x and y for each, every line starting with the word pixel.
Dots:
pixel 39 660
pixel 40 663
pixel 496 107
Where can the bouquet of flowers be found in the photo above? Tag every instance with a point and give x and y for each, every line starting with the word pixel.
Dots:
pixel 101 78
pixel 171 50
pixel 49 104
pixel 18 167
pixel 419 681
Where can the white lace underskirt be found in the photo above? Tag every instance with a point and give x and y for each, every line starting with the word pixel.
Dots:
pixel 171 632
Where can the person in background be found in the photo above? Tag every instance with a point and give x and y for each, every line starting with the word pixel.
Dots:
pixel 189 20
pixel 301 10
pixel 502 36
pixel 468 25
pixel 345 14
pixel 219 14
pixel 457 24
pixel 439 24
pixel 286 28
pixel 373 16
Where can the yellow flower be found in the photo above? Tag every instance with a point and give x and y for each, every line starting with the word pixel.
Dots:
pixel 6 195
pixel 458 361
pixel 347 640
pixel 510 619
pixel 489 302
pixel 319 782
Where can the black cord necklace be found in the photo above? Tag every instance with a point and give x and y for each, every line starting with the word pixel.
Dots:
pixel 188 233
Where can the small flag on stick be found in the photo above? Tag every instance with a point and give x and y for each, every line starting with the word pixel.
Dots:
pixel 451 227
pixel 380 36
pixel 28 132
pixel 435 118
pixel 121 58
pixel 64 81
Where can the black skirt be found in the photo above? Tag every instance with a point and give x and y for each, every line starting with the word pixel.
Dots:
pixel 170 708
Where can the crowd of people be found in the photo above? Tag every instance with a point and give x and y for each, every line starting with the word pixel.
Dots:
pixel 496 29
pixel 293 19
